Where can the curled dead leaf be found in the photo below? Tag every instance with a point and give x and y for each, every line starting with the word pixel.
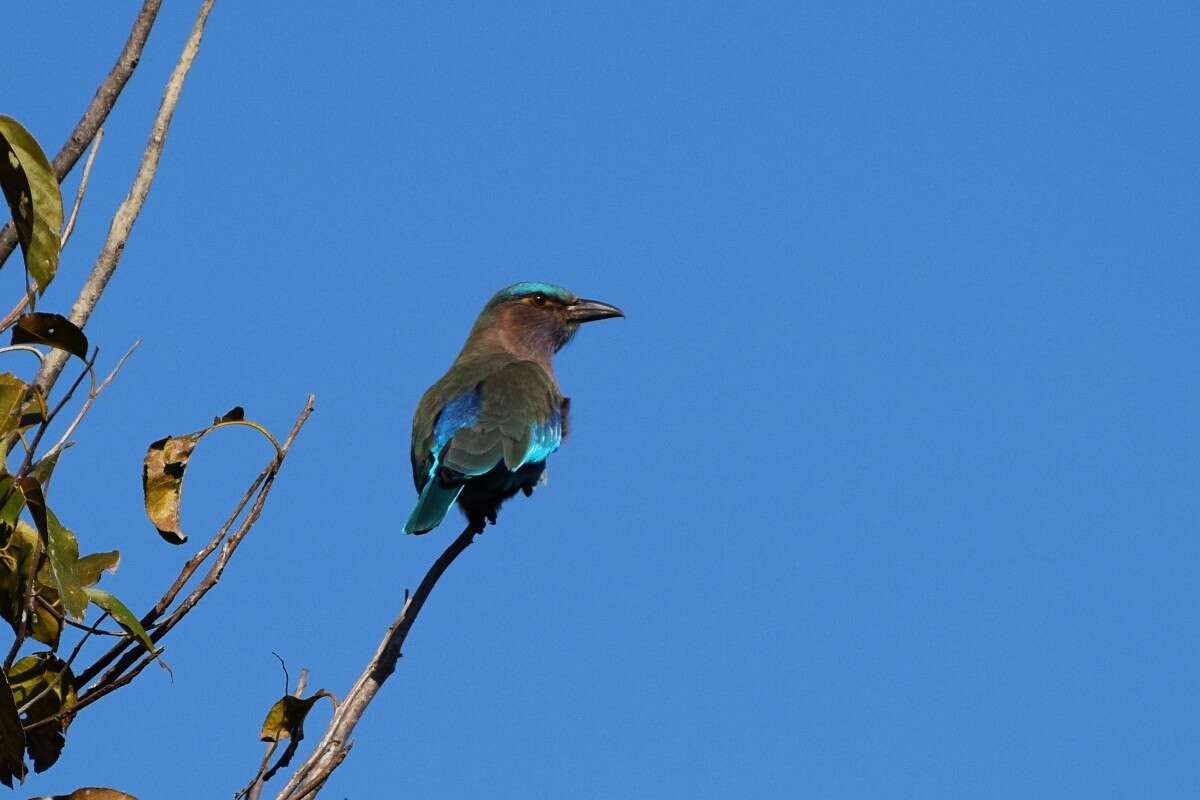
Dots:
pixel 164 467
pixel 54 330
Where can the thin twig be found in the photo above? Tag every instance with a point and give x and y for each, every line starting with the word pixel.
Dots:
pixel 61 617
pixel 87 404
pixel 185 575
pixel 11 317
pixel 310 776
pixel 25 348
pixel 62 675
pixel 69 228
pixel 86 700
pixel 89 371
pixel 97 110
pixel 209 580
pixel 253 790
pixel 287 679
pixel 131 206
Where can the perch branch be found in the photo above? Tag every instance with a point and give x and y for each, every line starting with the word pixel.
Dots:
pixel 131 206
pixel 310 776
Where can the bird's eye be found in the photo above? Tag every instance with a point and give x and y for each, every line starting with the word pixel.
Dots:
pixel 539 299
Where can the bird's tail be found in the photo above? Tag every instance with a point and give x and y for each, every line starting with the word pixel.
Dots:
pixel 432 505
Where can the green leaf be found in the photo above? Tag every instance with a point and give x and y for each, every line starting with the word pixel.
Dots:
pixel 121 613
pixel 63 555
pixel 35 501
pixel 285 719
pixel 47 678
pixel 18 402
pixel 90 567
pixel 11 503
pixel 54 330
pixel 44 468
pixel 12 737
pixel 33 196
pixel 33 411
pixel 17 561
pixel 12 394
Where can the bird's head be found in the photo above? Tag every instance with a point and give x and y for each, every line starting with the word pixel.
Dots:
pixel 536 319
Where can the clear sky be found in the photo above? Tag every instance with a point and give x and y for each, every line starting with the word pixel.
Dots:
pixel 886 487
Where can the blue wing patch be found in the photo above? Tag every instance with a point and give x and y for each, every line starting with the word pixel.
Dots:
pixel 459 413
pixel 545 439
pixel 464 412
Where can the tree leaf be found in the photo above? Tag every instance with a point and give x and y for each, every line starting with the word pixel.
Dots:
pixel 17 561
pixel 162 482
pixel 12 737
pixel 11 503
pixel 44 468
pixel 54 330
pixel 163 470
pixel 30 678
pixel 235 414
pixel 12 394
pixel 285 719
pixel 33 196
pixel 63 555
pixel 90 567
pixel 121 613
pixel 33 411
pixel 35 501
pixel 94 793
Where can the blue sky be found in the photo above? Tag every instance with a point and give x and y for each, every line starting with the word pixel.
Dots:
pixel 885 488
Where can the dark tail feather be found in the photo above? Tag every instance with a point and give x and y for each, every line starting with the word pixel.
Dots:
pixel 432 505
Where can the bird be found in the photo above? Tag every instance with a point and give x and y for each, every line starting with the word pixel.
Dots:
pixel 484 430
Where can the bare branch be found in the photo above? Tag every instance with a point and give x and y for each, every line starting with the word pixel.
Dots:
pixel 12 316
pixel 131 206
pixel 97 110
pixel 335 744
pixel 24 348
pixel 262 484
pixel 92 697
pixel 69 228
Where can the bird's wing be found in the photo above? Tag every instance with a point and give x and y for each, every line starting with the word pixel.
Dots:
pixel 516 418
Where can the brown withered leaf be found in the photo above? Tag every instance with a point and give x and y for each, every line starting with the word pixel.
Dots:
pixel 164 467
pixel 235 414
pixel 12 737
pixel 286 718
pixel 30 677
pixel 162 482
pixel 51 329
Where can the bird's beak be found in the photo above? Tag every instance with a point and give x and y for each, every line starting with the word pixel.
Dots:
pixel 591 310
